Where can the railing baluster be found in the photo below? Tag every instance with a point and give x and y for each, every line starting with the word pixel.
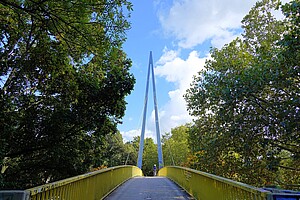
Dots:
pixel 215 187
pixel 84 186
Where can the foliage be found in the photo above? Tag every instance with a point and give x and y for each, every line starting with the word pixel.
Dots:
pixel 113 151
pixel 64 78
pixel 175 146
pixel 132 149
pixel 150 157
pixel 247 102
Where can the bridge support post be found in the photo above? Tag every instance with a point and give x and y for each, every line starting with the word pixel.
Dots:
pixel 141 147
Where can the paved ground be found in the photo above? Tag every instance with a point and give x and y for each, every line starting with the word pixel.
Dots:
pixel 148 188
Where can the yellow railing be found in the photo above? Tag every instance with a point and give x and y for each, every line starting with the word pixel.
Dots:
pixel 206 186
pixel 90 186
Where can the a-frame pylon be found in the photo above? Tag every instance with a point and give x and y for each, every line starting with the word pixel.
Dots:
pixel 141 148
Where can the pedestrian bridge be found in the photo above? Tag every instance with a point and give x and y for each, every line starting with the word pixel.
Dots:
pixel 127 182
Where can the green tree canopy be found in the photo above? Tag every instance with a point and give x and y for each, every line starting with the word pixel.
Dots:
pixel 64 78
pixel 132 149
pixel 150 157
pixel 175 146
pixel 247 101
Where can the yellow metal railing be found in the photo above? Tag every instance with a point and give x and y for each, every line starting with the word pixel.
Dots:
pixel 206 186
pixel 90 186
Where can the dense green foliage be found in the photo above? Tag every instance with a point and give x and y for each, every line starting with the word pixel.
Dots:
pixel 64 78
pixel 175 146
pixel 247 102
pixel 150 156
pixel 131 149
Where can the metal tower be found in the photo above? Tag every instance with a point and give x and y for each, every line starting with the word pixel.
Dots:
pixel 141 148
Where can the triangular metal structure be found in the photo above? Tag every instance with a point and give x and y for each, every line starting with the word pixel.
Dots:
pixel 159 148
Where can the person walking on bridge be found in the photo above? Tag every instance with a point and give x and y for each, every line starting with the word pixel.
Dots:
pixel 154 170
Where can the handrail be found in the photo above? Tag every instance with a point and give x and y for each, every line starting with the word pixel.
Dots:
pixel 90 186
pixel 207 186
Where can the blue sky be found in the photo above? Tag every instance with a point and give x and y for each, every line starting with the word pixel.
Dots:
pixel 179 33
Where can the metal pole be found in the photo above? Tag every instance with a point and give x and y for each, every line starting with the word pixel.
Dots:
pixel 159 149
pixel 141 147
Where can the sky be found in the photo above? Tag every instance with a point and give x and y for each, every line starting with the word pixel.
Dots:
pixel 180 34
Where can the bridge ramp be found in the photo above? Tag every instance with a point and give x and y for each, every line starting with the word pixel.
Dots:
pixel 148 188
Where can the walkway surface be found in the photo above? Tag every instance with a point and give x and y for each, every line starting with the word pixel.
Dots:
pixel 148 188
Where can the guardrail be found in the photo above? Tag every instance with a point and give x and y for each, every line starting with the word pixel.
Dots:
pixel 207 186
pixel 98 184
pixel 90 186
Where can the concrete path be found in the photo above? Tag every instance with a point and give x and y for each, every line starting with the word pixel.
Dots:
pixel 148 188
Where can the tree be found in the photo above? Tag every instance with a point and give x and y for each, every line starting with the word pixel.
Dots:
pixel 64 78
pixel 150 157
pixel 175 146
pixel 247 100
pixel 132 148
pixel 113 151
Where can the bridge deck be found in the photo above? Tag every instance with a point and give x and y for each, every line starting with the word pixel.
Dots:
pixel 148 188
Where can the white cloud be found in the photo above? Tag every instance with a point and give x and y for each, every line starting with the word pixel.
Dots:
pixel 194 21
pixel 180 72
pixel 220 40
pixel 168 55
pixel 129 135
